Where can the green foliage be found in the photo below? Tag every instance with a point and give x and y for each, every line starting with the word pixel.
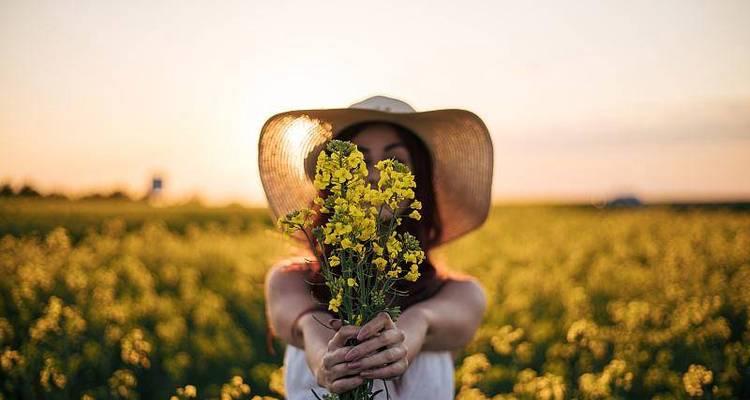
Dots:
pixel 24 217
pixel 133 314
pixel 583 303
pixel 610 304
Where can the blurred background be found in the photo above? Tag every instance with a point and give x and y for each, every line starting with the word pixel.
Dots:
pixel 134 238
pixel 584 101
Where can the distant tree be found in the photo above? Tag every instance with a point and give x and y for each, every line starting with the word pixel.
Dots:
pixel 6 190
pixel 94 196
pixel 56 196
pixel 28 191
pixel 118 195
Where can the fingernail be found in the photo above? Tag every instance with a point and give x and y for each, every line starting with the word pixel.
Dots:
pixel 350 355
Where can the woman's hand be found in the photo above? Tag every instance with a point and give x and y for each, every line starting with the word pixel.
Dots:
pixel 382 351
pixel 333 373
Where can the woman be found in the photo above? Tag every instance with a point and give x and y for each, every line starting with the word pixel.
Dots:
pixel 450 153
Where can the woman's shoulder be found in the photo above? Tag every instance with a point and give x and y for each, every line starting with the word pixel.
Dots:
pixel 448 275
pixel 455 280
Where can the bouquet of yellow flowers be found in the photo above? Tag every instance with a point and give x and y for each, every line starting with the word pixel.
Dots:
pixel 359 250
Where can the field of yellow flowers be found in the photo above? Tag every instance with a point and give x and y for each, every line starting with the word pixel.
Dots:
pixel 120 300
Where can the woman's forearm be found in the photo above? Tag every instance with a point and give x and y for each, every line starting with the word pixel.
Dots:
pixel 446 321
pixel 451 316
pixel 414 324
pixel 287 299
pixel 314 336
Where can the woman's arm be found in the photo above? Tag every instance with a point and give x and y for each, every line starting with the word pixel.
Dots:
pixel 288 298
pixel 446 321
pixel 451 317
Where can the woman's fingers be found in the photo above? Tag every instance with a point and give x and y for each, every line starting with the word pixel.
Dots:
pixel 342 370
pixel 341 336
pixel 332 358
pixel 335 324
pixel 377 360
pixel 345 384
pixel 386 372
pixel 381 321
pixel 334 372
pixel 387 338
pixel 341 365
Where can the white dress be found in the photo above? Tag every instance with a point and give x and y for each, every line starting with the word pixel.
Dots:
pixel 428 377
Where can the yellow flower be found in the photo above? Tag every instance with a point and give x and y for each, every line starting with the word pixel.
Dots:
pixel 393 273
pixel 358 322
pixel 346 244
pixel 335 302
pixel 377 249
pixel 393 245
pixel 367 228
pixel 416 204
pixel 355 211
pixel 330 235
pixel 342 229
pixel 359 248
pixel 351 282
pixel 380 262
pixel 695 378
pixel 342 175
pixel 322 180
pixel 415 215
pixel 296 220
pixel 190 391
pixel 413 273
pixel 334 261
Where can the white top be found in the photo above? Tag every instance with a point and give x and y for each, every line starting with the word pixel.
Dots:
pixel 428 377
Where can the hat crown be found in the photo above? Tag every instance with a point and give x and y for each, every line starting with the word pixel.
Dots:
pixel 383 103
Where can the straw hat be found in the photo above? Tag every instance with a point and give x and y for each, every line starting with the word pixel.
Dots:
pixel 458 141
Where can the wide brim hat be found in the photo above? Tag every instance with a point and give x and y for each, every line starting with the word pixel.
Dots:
pixel 458 141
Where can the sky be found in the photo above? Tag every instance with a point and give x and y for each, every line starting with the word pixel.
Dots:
pixel 584 100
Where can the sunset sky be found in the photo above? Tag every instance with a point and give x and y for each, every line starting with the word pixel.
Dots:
pixel 585 100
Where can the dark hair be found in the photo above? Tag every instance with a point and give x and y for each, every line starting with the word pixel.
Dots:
pixel 427 230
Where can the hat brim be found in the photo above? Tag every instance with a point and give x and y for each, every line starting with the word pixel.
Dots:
pixel 458 141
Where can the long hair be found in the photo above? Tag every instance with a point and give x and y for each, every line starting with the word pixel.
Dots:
pixel 427 230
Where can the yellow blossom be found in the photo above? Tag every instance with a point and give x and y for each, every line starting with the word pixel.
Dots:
pixel 413 273
pixel 415 215
pixel 351 282
pixel 334 261
pixel 393 245
pixel 393 273
pixel 695 378
pixel 335 302
pixel 380 262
